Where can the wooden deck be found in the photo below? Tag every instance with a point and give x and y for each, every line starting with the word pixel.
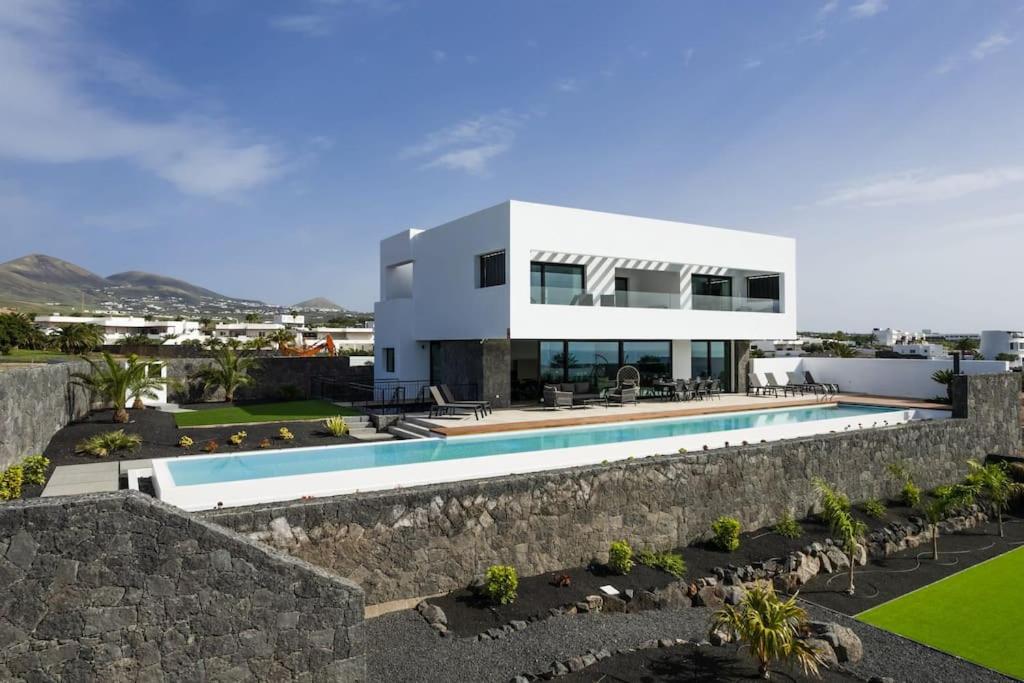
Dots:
pixel 512 420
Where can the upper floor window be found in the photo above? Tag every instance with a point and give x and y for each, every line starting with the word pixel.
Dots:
pixel 558 283
pixel 389 359
pixel 763 287
pixel 492 269
pixel 712 285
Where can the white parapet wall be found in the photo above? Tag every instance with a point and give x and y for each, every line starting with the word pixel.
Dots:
pixel 900 377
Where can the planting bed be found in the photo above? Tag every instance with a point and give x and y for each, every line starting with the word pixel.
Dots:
pixel 883 579
pixel 469 615
pixel 690 662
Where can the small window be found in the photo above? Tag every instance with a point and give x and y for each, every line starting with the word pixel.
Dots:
pixel 492 269
pixel 389 359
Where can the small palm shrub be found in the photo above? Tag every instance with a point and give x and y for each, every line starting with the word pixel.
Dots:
pixel 336 426
pixel 186 442
pixel 788 526
pixel 669 562
pixel 11 481
pixel 34 467
pixel 875 508
pixel 726 532
pixel 285 434
pixel 620 557
pixel 770 627
pixel 501 583
pixel 211 446
pixel 238 438
pixel 106 443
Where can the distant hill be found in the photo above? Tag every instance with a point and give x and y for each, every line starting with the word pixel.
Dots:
pixel 38 279
pixel 318 303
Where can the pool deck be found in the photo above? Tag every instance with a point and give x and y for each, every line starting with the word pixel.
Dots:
pixel 522 418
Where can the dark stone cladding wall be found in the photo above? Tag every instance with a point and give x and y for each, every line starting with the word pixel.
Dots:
pixel 277 377
pixel 483 363
pixel 120 587
pixel 35 402
pixel 413 542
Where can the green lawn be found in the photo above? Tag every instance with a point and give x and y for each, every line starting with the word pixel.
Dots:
pixel 262 412
pixel 28 356
pixel 975 614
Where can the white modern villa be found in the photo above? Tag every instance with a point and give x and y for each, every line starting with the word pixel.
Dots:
pixel 520 294
pixel 1005 343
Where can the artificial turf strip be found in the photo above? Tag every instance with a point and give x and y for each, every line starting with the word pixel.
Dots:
pixel 974 614
pixel 262 412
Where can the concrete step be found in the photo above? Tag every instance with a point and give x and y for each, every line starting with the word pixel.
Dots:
pixel 373 436
pixel 403 433
pixel 418 422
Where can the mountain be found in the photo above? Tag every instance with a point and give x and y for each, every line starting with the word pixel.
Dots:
pixel 38 279
pixel 318 303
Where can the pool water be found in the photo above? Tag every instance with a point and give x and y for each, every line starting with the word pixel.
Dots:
pixel 261 465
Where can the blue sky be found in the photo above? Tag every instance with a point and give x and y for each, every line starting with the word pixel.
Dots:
pixel 263 148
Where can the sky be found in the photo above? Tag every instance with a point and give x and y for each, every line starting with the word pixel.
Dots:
pixel 262 149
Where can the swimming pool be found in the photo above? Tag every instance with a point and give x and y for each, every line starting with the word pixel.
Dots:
pixel 245 478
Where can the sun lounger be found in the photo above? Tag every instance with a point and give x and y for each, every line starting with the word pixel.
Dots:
pixel 443 407
pixel 484 406
pixel 759 388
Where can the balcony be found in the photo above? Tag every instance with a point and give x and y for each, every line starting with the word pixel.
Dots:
pixel 746 304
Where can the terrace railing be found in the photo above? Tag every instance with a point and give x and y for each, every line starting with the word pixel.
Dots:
pixel 385 396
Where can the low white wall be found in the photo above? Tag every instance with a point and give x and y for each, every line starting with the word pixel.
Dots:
pixel 903 377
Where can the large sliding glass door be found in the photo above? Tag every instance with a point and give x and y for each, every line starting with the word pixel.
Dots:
pixel 595 363
pixel 712 360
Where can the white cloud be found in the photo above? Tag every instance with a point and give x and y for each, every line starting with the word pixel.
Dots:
pixel 48 115
pixel 994 43
pixel 311 24
pixel 438 56
pixel 813 37
pixel 752 63
pixel 922 186
pixel 869 8
pixel 472 59
pixel 687 56
pixel 567 85
pixel 828 8
pixel 468 145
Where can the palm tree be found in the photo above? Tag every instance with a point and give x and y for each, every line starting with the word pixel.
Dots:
pixel 836 511
pixel 78 337
pixel 965 345
pixel 939 503
pixel 945 378
pixel 252 317
pixel 841 350
pixel 112 381
pixel 286 337
pixel 993 483
pixel 770 627
pixel 230 370
pixel 144 384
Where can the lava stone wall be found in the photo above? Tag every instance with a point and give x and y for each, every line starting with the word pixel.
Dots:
pixel 414 542
pixel 35 402
pixel 276 378
pixel 120 587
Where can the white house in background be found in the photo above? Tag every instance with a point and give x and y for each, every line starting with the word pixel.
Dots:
pixel 244 331
pixel 520 294
pixel 289 320
pixel 891 337
pixel 922 349
pixel 344 337
pixel 996 342
pixel 779 348
pixel 114 328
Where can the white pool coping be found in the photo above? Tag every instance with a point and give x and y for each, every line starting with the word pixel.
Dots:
pixel 323 484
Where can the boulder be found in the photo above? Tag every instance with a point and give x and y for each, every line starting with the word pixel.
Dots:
pixel 734 594
pixel 826 564
pixel 860 555
pixel 674 596
pixel 786 583
pixel 595 602
pixel 807 568
pixel 838 559
pixel 434 614
pixel 719 637
pixel 613 603
pixel 645 600
pixel 824 651
pixel 844 641
pixel 709 596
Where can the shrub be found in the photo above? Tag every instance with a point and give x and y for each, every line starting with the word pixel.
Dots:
pixel 727 533
pixel 285 434
pixel 620 557
pixel 265 443
pixel 34 467
pixel 875 508
pixel 11 481
pixel 336 426
pixel 911 494
pixel 186 442
pixel 102 445
pixel 238 438
pixel 211 446
pixel 501 583
pixel 789 527
pixel 669 562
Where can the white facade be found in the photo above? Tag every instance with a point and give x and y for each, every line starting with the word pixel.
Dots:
pixel 289 319
pixel 114 328
pixel 996 342
pixel 891 337
pixel 639 279
pixel 780 348
pixel 344 337
pixel 925 350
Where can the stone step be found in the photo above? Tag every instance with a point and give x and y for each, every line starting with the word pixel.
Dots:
pixel 402 433
pixel 373 436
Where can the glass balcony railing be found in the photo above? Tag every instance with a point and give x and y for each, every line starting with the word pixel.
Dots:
pixel 704 302
pixel 638 299
pixel 563 296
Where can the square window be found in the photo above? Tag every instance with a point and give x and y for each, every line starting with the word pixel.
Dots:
pixel 492 269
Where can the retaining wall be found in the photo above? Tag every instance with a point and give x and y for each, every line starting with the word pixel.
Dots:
pixel 120 587
pixel 406 543
pixel 35 402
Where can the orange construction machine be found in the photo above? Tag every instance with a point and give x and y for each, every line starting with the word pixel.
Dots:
pixel 326 344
